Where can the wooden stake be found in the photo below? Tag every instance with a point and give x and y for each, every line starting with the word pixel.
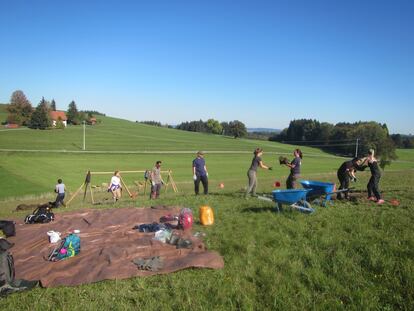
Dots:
pixel 126 187
pixel 75 194
pixel 90 188
pixel 145 186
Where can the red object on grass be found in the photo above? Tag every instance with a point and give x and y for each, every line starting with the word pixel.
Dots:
pixel 276 184
pixel 394 202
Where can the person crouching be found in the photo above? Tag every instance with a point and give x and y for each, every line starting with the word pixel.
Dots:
pixel 115 187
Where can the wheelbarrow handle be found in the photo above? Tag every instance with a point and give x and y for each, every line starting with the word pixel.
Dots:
pixel 263 198
pixel 340 191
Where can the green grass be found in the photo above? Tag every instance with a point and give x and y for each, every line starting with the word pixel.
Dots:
pixel 347 256
pixel 405 155
pixel 120 135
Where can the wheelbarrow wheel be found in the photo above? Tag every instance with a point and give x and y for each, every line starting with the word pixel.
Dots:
pixel 303 207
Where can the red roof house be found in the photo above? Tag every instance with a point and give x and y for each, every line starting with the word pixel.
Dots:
pixel 58 115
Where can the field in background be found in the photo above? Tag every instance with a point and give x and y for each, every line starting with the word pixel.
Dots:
pixel 36 172
pixel 356 256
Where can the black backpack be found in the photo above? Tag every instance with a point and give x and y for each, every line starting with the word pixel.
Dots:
pixel 8 228
pixel 41 215
pixel 6 268
pixel 8 284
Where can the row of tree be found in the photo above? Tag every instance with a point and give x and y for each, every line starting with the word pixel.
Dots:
pixel 21 112
pixel 234 128
pixel 155 123
pixel 341 138
pixel 403 141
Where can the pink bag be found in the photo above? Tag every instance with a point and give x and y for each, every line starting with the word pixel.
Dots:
pixel 186 218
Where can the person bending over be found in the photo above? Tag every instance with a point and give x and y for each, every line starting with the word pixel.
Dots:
pixel 346 174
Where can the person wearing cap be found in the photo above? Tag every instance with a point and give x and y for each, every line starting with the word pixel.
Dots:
pixel 200 173
pixel 156 181
pixel 252 172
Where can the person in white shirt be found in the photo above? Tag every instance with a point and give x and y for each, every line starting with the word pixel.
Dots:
pixel 115 186
pixel 60 189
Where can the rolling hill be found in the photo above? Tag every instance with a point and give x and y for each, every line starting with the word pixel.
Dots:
pixel 32 160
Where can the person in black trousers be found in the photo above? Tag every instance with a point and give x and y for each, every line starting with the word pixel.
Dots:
pixel 346 173
pixel 200 173
pixel 372 187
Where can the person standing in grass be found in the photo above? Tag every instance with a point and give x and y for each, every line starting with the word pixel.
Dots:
pixel 156 181
pixel 373 183
pixel 294 169
pixel 200 173
pixel 60 189
pixel 115 186
pixel 252 172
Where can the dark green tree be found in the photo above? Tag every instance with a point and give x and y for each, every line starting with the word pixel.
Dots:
pixel 237 129
pixel 53 105
pixel 214 126
pixel 19 109
pixel 73 114
pixel 225 128
pixel 40 117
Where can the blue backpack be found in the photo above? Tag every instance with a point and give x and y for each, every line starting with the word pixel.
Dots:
pixel 69 247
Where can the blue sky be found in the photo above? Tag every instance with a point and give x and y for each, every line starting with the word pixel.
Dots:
pixel 261 62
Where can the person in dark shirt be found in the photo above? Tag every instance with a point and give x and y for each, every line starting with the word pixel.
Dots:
pixel 294 169
pixel 252 172
pixel 346 173
pixel 372 187
pixel 200 173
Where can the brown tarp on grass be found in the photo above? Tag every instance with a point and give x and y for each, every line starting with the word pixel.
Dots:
pixel 108 246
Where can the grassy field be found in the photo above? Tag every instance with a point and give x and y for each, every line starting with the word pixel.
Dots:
pixel 349 256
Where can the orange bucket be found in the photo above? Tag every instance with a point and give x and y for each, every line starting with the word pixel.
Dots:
pixel 206 216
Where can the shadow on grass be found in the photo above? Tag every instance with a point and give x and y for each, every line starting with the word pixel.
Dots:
pixel 259 210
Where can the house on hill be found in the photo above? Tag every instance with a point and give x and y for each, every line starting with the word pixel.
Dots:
pixel 55 116
pixel 92 121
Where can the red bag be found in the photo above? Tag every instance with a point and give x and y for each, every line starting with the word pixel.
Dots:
pixel 186 218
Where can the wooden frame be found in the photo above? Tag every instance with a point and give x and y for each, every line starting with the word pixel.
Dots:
pixel 86 185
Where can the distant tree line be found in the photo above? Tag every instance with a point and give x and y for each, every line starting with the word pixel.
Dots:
pixel 235 128
pixel 260 135
pixel 21 112
pixel 93 113
pixel 403 141
pixel 340 138
pixel 155 123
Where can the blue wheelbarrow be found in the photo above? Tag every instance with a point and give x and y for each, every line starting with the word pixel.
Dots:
pixel 296 198
pixel 319 192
